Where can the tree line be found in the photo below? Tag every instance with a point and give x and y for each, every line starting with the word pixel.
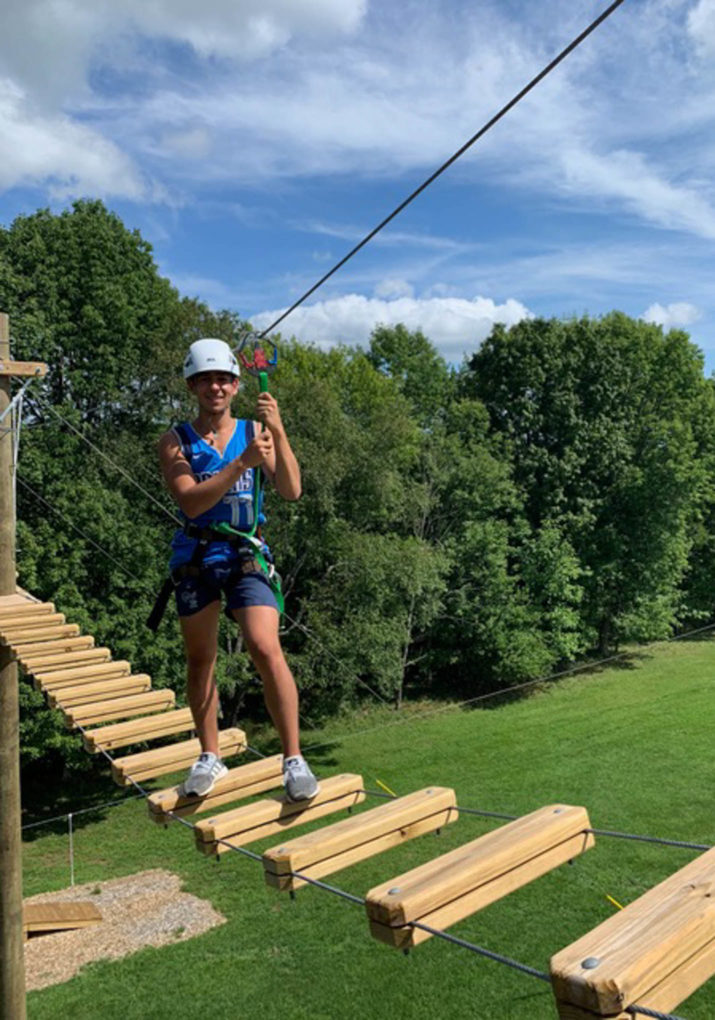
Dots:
pixel 461 529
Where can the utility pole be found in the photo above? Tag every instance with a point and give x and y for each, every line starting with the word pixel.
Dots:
pixel 12 962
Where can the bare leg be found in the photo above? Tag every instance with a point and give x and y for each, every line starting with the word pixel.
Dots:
pixel 259 625
pixel 200 642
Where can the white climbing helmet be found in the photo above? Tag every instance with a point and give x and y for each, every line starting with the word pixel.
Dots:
pixel 210 355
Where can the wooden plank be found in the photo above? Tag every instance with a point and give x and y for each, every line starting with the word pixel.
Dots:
pixel 23 608
pixel 355 839
pixel 662 944
pixel 238 784
pixel 60 916
pixel 82 675
pixel 64 660
pixel 22 368
pixel 163 760
pixel 406 937
pixel 103 690
pixel 33 635
pixel 10 624
pixel 276 814
pixel 138 730
pixel 458 883
pixel 665 996
pixel 67 644
pixel 119 708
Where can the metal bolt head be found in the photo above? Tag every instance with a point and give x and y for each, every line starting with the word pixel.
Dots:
pixel 393 892
pixel 558 810
pixel 590 963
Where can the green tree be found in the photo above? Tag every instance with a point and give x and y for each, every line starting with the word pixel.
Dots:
pixel 602 417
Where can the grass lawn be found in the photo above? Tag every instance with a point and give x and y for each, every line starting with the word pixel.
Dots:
pixel 634 744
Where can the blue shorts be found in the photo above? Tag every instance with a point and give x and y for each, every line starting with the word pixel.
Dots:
pixel 240 588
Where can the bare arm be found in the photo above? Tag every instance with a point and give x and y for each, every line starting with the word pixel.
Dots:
pixel 193 497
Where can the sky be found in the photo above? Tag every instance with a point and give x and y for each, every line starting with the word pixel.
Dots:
pixel 254 142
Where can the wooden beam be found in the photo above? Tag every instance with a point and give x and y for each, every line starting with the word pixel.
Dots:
pixel 138 731
pixel 33 635
pixel 653 953
pixel 355 839
pixel 455 885
pixel 22 368
pixel 25 608
pixel 43 918
pixel 12 966
pixel 81 674
pixel 238 784
pixel 82 694
pixel 9 625
pixel 276 814
pixel 57 645
pixel 65 660
pixel 119 708
pixel 163 760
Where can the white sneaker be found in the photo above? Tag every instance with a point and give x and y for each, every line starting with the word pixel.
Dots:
pixel 202 775
pixel 299 781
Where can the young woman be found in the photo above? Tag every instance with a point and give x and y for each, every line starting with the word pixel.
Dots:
pixel 209 467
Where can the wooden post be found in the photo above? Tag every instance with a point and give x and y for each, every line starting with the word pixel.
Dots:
pixel 12 962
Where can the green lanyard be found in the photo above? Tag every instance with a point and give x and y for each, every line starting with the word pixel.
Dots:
pixel 225 528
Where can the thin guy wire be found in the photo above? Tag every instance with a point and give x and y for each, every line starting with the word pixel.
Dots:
pixel 496 957
pixel 114 464
pixel 347 671
pixel 482 131
pixel 82 811
pixel 661 841
pixel 17 399
pixel 85 536
pixel 507 690
pixel 475 811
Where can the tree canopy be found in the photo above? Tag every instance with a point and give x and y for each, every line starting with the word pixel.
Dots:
pixel 460 529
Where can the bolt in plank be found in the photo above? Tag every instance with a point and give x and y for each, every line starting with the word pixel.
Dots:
pixel 653 953
pixel 449 888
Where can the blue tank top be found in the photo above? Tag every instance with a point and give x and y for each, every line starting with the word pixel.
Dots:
pixel 234 508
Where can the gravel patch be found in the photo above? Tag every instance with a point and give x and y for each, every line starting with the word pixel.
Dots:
pixel 147 909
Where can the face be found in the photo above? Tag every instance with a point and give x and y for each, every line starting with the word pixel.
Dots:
pixel 213 390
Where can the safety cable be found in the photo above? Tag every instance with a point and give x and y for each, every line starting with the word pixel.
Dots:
pixel 114 464
pixel 659 840
pixel 360 901
pixel 453 706
pixel 482 131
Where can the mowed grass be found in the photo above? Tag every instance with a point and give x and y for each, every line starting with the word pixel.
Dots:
pixel 634 744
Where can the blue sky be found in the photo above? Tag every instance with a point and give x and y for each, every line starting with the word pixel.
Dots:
pixel 253 142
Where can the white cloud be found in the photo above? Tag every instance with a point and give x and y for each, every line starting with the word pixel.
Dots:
pixel 679 313
pixel 391 288
pixel 67 157
pixel 701 26
pixel 455 325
